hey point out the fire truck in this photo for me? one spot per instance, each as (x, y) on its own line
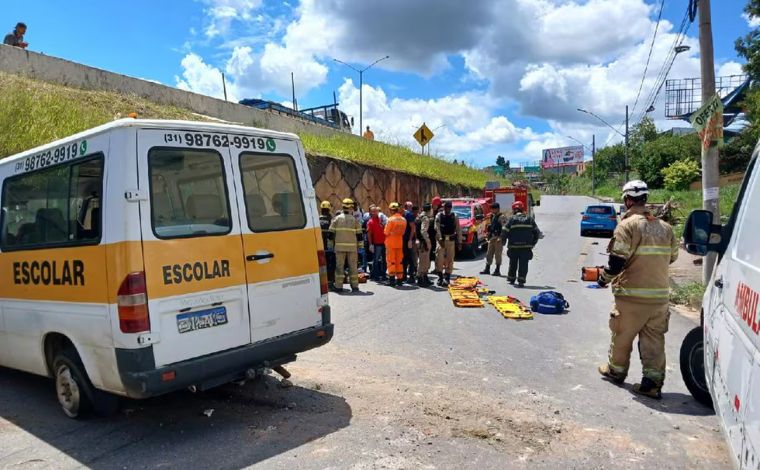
(507, 195)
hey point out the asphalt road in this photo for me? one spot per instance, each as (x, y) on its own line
(409, 381)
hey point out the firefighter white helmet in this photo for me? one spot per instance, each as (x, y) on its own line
(635, 188)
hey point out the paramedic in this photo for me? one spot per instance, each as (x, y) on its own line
(449, 236)
(348, 237)
(394, 244)
(495, 246)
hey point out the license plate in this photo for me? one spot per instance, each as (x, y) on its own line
(599, 226)
(202, 319)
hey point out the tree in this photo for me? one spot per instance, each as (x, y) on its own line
(662, 152)
(500, 161)
(749, 45)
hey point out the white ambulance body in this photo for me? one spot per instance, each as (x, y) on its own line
(720, 360)
(142, 257)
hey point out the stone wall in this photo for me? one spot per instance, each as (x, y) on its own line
(52, 69)
(336, 179)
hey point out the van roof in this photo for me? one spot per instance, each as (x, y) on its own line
(152, 124)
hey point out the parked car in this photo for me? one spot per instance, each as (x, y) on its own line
(472, 218)
(599, 219)
(719, 358)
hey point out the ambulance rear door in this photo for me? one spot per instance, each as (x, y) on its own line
(192, 244)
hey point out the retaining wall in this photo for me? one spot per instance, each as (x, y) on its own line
(52, 69)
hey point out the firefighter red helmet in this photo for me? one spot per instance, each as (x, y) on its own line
(436, 201)
(518, 206)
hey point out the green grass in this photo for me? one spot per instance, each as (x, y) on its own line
(33, 113)
(394, 157)
(689, 294)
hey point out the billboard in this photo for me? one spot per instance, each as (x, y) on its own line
(564, 156)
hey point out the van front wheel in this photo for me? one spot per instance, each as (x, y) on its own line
(75, 392)
(693, 366)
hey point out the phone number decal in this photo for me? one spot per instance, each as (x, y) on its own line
(51, 157)
(195, 139)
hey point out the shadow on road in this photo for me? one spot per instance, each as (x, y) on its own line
(248, 424)
(674, 403)
(529, 287)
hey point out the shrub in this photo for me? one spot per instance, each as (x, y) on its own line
(680, 174)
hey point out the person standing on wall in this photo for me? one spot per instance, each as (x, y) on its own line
(394, 244)
(16, 37)
(495, 247)
(523, 234)
(410, 265)
(328, 240)
(449, 235)
(422, 246)
(348, 238)
(368, 134)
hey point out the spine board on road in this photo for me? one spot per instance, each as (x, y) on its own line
(464, 292)
(510, 307)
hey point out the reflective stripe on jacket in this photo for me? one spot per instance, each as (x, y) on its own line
(521, 231)
(346, 229)
(394, 231)
(649, 247)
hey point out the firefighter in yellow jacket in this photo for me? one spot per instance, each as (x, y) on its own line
(640, 252)
(347, 233)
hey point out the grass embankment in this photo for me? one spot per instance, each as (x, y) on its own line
(394, 157)
(689, 294)
(33, 113)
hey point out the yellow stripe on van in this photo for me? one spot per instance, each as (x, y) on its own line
(76, 274)
(295, 254)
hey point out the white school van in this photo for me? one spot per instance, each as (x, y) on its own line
(720, 359)
(142, 257)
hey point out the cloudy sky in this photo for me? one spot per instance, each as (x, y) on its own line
(491, 77)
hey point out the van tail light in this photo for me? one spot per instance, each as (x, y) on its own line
(132, 300)
(322, 272)
(585, 217)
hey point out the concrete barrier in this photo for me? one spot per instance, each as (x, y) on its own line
(52, 69)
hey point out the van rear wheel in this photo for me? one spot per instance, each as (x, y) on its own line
(693, 366)
(76, 394)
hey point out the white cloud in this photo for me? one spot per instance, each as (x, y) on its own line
(199, 77)
(730, 68)
(222, 13)
(752, 21)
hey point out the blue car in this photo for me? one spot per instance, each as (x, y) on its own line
(599, 220)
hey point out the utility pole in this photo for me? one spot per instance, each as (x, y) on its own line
(224, 87)
(293, 91)
(710, 156)
(593, 170)
(626, 144)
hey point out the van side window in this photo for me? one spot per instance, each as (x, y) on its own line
(57, 206)
(746, 250)
(188, 193)
(272, 194)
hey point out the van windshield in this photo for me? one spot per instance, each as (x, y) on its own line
(188, 193)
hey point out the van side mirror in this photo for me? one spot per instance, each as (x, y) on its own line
(352, 121)
(537, 203)
(700, 235)
(479, 217)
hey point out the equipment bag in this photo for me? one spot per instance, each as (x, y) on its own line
(549, 302)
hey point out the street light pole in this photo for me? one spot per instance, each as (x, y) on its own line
(361, 85)
(626, 143)
(593, 164)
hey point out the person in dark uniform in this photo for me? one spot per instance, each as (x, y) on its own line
(434, 209)
(520, 235)
(325, 218)
(449, 235)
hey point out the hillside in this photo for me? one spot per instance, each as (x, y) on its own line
(34, 112)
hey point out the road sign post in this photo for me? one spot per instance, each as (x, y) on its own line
(423, 136)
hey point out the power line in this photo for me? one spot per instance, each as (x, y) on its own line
(649, 57)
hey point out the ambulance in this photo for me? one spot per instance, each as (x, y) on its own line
(143, 257)
(720, 359)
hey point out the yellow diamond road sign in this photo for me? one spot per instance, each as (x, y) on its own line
(424, 135)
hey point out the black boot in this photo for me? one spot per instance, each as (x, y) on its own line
(648, 388)
(392, 282)
(487, 270)
(447, 279)
(440, 281)
(497, 271)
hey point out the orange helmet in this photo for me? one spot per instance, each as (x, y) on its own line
(518, 206)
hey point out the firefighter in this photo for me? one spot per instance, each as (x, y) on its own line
(347, 233)
(520, 234)
(449, 236)
(495, 246)
(328, 240)
(394, 245)
(640, 252)
(422, 246)
(434, 209)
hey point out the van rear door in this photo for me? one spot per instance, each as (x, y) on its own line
(280, 234)
(192, 245)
